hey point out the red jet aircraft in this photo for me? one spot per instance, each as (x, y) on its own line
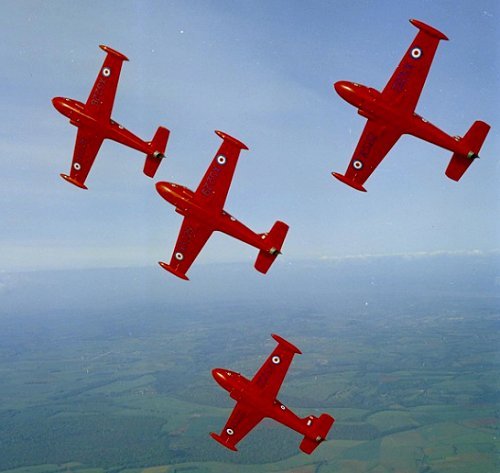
(256, 399)
(390, 114)
(94, 123)
(203, 214)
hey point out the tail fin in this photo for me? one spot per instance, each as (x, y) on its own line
(158, 146)
(275, 237)
(474, 139)
(319, 430)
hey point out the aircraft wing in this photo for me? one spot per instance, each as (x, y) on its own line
(374, 144)
(214, 186)
(241, 421)
(101, 99)
(407, 82)
(271, 374)
(192, 238)
(86, 148)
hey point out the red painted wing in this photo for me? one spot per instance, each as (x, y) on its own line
(214, 186)
(192, 238)
(374, 144)
(271, 374)
(241, 421)
(86, 148)
(407, 82)
(101, 99)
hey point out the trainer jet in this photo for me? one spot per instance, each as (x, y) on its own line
(94, 123)
(256, 399)
(203, 214)
(390, 114)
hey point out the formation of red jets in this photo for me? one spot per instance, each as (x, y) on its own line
(389, 113)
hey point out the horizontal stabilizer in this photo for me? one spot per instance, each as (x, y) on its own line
(347, 181)
(308, 445)
(169, 268)
(474, 139)
(221, 441)
(73, 181)
(319, 430)
(275, 238)
(158, 146)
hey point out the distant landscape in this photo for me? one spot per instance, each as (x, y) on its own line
(109, 370)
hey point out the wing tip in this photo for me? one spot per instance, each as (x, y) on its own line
(219, 439)
(233, 140)
(73, 181)
(169, 268)
(429, 29)
(286, 343)
(349, 182)
(114, 52)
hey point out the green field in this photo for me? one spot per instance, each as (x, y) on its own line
(414, 389)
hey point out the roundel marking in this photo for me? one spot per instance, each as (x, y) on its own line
(276, 360)
(221, 159)
(179, 256)
(416, 53)
(77, 166)
(282, 407)
(106, 71)
(229, 431)
(357, 164)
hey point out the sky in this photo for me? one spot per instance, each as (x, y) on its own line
(263, 72)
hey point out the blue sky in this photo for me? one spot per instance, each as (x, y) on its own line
(263, 72)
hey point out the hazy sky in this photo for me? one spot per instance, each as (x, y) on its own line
(263, 72)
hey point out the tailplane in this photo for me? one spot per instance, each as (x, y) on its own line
(474, 139)
(158, 146)
(319, 430)
(275, 237)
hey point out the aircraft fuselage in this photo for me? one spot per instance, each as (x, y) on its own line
(106, 128)
(186, 204)
(241, 390)
(371, 105)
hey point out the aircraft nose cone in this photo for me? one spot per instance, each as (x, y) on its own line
(349, 91)
(342, 87)
(220, 375)
(163, 189)
(58, 103)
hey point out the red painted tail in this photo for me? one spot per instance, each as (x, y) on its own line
(319, 430)
(275, 238)
(474, 138)
(158, 146)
